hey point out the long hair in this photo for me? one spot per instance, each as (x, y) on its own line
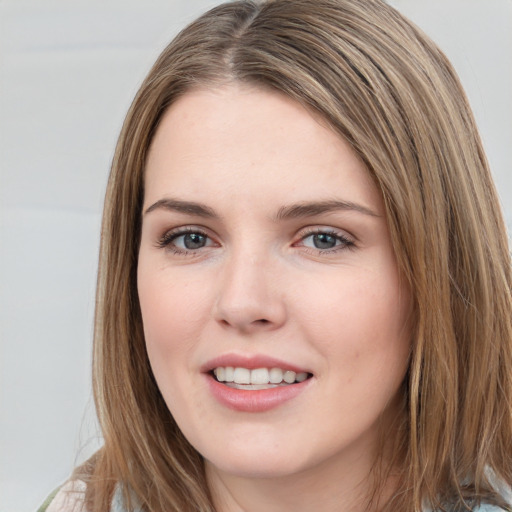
(380, 83)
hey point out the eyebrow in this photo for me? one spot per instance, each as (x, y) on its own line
(188, 207)
(310, 209)
(293, 211)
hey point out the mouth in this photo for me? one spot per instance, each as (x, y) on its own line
(257, 378)
(255, 383)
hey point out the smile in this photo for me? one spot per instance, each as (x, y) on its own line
(255, 383)
(258, 378)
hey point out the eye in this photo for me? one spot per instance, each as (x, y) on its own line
(321, 241)
(325, 240)
(184, 241)
(190, 241)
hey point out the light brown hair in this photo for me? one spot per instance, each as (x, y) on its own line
(381, 84)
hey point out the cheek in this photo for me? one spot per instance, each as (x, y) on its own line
(352, 303)
(360, 323)
(166, 329)
(171, 308)
(171, 321)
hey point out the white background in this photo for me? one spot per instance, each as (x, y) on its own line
(68, 71)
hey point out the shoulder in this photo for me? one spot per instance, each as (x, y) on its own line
(71, 498)
(68, 498)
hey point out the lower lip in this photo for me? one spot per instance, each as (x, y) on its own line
(260, 400)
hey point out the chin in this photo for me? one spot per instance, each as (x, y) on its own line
(257, 468)
(252, 460)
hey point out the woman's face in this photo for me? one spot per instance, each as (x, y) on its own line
(266, 259)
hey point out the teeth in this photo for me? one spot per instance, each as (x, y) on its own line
(276, 375)
(242, 376)
(289, 377)
(301, 377)
(230, 374)
(220, 373)
(258, 376)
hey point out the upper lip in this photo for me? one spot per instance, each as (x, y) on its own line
(250, 362)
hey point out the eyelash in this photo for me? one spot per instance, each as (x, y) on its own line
(168, 239)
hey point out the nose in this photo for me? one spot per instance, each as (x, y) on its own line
(250, 295)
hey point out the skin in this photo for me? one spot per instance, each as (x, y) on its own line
(257, 283)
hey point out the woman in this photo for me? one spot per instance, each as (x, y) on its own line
(304, 288)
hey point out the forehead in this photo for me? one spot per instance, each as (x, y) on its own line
(250, 141)
(242, 114)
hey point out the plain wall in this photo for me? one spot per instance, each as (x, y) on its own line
(68, 72)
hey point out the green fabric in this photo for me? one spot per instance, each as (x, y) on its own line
(48, 500)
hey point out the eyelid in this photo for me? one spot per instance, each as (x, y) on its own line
(321, 228)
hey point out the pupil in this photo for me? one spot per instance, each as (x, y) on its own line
(194, 241)
(324, 241)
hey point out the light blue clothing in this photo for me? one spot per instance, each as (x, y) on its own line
(70, 498)
(118, 505)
